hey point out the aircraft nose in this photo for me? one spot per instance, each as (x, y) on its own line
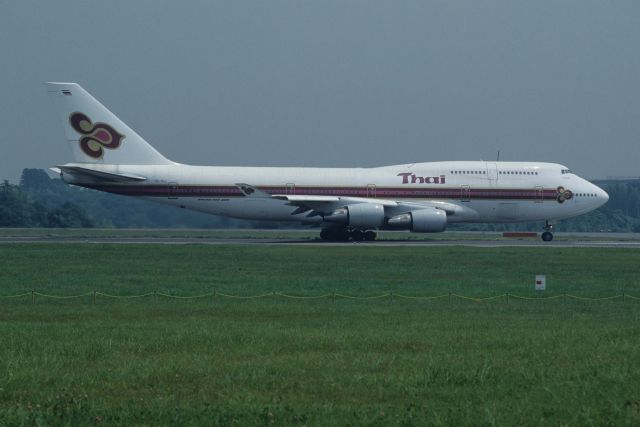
(603, 197)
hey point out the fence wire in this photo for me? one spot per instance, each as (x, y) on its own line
(333, 296)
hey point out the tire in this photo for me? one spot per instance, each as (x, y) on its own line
(342, 235)
(357, 235)
(334, 235)
(370, 235)
(547, 236)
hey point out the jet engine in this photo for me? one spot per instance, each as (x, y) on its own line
(429, 220)
(361, 215)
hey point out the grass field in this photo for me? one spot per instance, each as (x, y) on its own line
(308, 234)
(275, 361)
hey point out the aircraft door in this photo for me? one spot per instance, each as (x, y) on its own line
(172, 190)
(290, 188)
(371, 190)
(492, 171)
(465, 193)
(539, 194)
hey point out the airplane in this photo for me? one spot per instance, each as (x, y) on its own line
(346, 203)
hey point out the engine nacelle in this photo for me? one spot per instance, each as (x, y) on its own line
(429, 220)
(361, 215)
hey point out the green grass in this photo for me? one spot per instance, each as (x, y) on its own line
(168, 233)
(309, 234)
(275, 361)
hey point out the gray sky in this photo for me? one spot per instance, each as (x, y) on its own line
(333, 83)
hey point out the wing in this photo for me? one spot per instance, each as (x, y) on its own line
(335, 208)
(326, 205)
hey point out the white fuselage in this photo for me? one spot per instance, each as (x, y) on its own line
(482, 191)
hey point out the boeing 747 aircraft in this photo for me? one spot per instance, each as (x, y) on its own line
(347, 203)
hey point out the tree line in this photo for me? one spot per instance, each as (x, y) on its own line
(40, 201)
(17, 209)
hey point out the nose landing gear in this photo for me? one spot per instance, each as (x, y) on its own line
(547, 236)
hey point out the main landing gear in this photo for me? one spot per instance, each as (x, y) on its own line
(348, 233)
(547, 236)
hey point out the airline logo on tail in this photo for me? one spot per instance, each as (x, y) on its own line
(95, 136)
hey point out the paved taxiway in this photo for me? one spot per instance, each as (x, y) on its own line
(613, 243)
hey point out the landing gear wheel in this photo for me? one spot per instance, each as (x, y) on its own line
(345, 234)
(357, 235)
(334, 234)
(547, 236)
(342, 235)
(370, 235)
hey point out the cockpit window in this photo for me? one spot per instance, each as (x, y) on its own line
(564, 171)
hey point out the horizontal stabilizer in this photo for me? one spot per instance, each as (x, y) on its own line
(100, 176)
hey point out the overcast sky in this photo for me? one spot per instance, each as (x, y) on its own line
(332, 83)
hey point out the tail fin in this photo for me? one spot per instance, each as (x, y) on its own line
(95, 133)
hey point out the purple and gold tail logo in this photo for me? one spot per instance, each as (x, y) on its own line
(96, 136)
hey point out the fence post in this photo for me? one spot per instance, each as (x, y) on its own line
(391, 293)
(33, 297)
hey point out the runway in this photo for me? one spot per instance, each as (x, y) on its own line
(483, 243)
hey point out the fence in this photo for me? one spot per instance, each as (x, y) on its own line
(333, 296)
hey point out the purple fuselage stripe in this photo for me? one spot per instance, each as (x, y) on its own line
(379, 192)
